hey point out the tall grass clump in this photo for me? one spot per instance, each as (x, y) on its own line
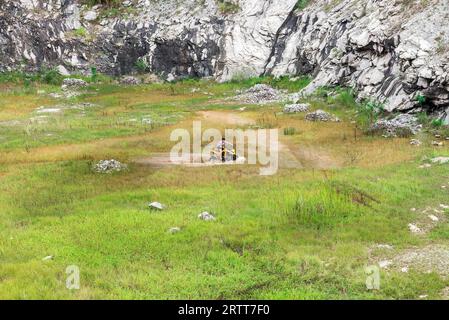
(283, 83)
(321, 208)
(108, 3)
(301, 4)
(227, 7)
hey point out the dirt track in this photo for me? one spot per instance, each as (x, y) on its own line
(299, 158)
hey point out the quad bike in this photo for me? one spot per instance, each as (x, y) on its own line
(224, 152)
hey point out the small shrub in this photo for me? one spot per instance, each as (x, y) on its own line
(290, 131)
(369, 112)
(421, 99)
(227, 7)
(51, 76)
(141, 65)
(301, 4)
(80, 32)
(423, 118)
(346, 98)
(93, 74)
(437, 123)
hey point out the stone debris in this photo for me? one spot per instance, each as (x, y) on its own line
(413, 228)
(108, 166)
(174, 230)
(384, 264)
(129, 81)
(437, 143)
(385, 246)
(62, 71)
(90, 15)
(445, 293)
(147, 121)
(433, 218)
(432, 258)
(440, 160)
(425, 166)
(297, 107)
(206, 216)
(415, 142)
(61, 107)
(320, 115)
(443, 206)
(48, 110)
(260, 94)
(402, 125)
(156, 206)
(73, 83)
(47, 258)
(404, 269)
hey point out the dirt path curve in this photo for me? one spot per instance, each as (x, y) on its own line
(287, 158)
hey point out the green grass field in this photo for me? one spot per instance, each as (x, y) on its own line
(304, 233)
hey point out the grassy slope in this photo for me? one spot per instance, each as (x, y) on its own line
(268, 240)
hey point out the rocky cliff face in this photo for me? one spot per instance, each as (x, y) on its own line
(388, 50)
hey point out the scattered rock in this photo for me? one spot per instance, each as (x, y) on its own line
(423, 296)
(174, 230)
(440, 160)
(403, 125)
(404, 269)
(320, 115)
(445, 293)
(385, 246)
(156, 206)
(384, 264)
(443, 206)
(48, 110)
(206, 216)
(437, 143)
(433, 218)
(432, 258)
(108, 166)
(413, 228)
(47, 258)
(147, 121)
(415, 142)
(297, 107)
(425, 165)
(129, 81)
(90, 15)
(62, 70)
(170, 77)
(150, 78)
(260, 94)
(73, 83)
